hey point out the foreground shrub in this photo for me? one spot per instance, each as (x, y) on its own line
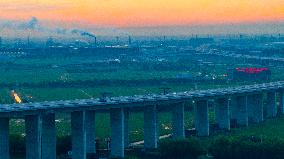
(17, 144)
(64, 144)
(247, 148)
(181, 149)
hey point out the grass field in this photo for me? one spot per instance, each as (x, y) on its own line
(269, 128)
(54, 69)
(38, 71)
(45, 71)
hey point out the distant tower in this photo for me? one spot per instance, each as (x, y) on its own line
(96, 41)
(18, 43)
(49, 42)
(129, 40)
(28, 43)
(117, 40)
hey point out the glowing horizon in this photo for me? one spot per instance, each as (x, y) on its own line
(128, 13)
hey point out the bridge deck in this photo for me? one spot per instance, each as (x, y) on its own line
(135, 101)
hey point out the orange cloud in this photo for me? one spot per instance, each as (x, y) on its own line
(146, 12)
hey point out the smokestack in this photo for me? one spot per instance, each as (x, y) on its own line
(129, 40)
(28, 44)
(117, 40)
(96, 45)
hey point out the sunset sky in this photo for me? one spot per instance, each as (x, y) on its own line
(136, 13)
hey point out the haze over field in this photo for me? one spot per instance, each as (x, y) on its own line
(130, 17)
(142, 79)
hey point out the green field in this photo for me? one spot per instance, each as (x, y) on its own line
(33, 78)
(269, 128)
(38, 80)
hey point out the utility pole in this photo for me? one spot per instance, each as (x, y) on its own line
(105, 96)
(165, 90)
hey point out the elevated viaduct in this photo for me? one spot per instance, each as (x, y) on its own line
(243, 103)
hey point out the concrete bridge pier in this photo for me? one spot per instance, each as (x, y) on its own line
(239, 109)
(117, 132)
(90, 116)
(281, 102)
(255, 107)
(178, 120)
(242, 115)
(78, 135)
(222, 113)
(126, 128)
(150, 127)
(233, 108)
(33, 136)
(271, 108)
(4, 138)
(48, 136)
(201, 118)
